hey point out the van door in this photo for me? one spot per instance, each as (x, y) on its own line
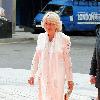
(67, 18)
(86, 19)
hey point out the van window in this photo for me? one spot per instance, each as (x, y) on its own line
(68, 11)
(51, 7)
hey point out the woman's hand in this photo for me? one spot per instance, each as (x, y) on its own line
(65, 97)
(70, 85)
(31, 81)
(92, 79)
(70, 88)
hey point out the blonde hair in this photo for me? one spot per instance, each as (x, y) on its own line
(53, 18)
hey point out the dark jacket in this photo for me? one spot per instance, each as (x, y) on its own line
(95, 62)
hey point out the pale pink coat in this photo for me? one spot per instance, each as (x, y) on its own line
(52, 62)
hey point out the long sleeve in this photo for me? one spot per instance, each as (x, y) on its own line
(93, 64)
(35, 62)
(67, 59)
(37, 54)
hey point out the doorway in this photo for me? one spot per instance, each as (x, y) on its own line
(26, 10)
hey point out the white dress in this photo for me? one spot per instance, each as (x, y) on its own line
(52, 62)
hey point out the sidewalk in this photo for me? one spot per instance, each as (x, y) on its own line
(14, 86)
(19, 37)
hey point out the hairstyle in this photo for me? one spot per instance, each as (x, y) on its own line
(53, 18)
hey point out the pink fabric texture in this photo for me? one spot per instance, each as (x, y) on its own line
(52, 63)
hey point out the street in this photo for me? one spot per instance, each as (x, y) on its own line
(18, 55)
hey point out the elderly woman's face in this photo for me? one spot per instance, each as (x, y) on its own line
(50, 26)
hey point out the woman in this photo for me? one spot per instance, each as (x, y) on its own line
(52, 61)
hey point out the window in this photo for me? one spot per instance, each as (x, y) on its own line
(68, 11)
(52, 7)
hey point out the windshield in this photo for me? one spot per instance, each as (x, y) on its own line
(51, 7)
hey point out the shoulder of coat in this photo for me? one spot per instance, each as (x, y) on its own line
(65, 37)
(41, 35)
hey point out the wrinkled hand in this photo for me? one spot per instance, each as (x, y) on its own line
(92, 79)
(31, 81)
(65, 97)
(70, 85)
(70, 88)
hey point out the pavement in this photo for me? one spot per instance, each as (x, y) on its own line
(14, 86)
(19, 36)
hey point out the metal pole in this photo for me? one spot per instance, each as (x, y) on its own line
(13, 16)
(1, 3)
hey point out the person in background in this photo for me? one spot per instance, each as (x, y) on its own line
(95, 64)
(2, 12)
(52, 61)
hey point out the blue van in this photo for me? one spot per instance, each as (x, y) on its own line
(76, 15)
